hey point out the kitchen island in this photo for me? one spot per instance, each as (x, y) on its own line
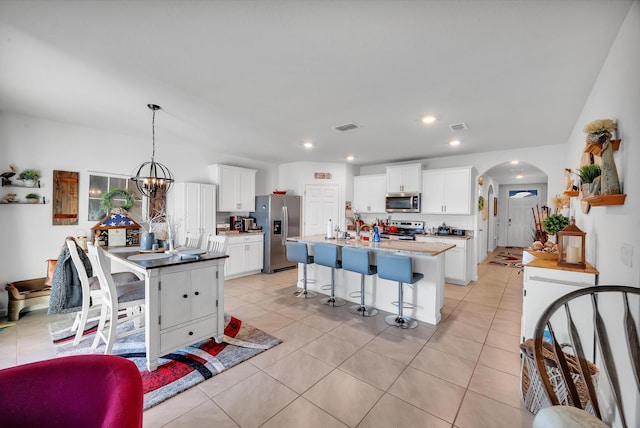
(184, 298)
(426, 296)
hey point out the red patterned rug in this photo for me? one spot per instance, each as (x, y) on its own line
(509, 257)
(179, 370)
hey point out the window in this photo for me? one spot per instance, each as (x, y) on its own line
(99, 184)
(523, 193)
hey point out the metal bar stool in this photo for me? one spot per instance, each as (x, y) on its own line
(398, 268)
(329, 255)
(356, 260)
(298, 252)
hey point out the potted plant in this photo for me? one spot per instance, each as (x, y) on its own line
(32, 198)
(588, 173)
(30, 177)
(555, 223)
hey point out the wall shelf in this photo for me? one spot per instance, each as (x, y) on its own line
(571, 193)
(36, 186)
(600, 200)
(596, 148)
(23, 203)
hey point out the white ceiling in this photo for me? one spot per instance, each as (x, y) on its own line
(257, 78)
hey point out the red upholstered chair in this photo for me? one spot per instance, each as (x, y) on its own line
(75, 391)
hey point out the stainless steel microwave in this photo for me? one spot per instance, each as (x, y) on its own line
(402, 202)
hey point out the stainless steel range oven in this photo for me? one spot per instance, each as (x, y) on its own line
(404, 230)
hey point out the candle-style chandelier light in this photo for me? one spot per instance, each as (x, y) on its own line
(153, 177)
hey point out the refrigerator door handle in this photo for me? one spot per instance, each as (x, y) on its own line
(285, 225)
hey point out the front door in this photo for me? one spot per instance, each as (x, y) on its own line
(321, 203)
(520, 224)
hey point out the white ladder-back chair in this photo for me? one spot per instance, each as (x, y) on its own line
(119, 304)
(192, 240)
(217, 244)
(87, 294)
(204, 241)
(91, 292)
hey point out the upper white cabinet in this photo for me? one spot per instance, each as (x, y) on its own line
(446, 191)
(404, 178)
(236, 187)
(195, 204)
(368, 193)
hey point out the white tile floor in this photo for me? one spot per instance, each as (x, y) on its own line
(334, 369)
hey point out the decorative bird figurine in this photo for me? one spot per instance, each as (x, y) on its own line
(6, 176)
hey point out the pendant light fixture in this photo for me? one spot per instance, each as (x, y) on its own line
(153, 177)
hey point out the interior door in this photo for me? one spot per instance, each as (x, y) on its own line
(520, 225)
(321, 203)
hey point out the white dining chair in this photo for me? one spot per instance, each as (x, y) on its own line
(91, 293)
(204, 241)
(217, 244)
(192, 240)
(119, 304)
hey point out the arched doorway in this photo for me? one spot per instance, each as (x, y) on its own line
(505, 185)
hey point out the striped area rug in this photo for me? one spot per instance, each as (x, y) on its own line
(179, 370)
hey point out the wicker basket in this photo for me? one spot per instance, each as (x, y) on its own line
(532, 391)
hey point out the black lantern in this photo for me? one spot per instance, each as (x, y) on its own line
(153, 178)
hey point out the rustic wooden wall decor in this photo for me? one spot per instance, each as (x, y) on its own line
(65, 198)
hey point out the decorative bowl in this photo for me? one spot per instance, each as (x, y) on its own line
(543, 255)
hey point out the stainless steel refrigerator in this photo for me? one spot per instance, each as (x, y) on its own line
(279, 217)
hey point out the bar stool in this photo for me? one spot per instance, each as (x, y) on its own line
(329, 255)
(357, 260)
(298, 252)
(398, 268)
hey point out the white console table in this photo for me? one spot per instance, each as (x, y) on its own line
(184, 299)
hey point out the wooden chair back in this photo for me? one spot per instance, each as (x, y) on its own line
(597, 325)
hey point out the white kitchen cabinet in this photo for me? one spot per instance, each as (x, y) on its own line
(245, 253)
(195, 204)
(190, 301)
(544, 282)
(404, 178)
(457, 261)
(446, 191)
(368, 193)
(236, 187)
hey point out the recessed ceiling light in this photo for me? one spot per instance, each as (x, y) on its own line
(308, 144)
(349, 157)
(454, 142)
(428, 119)
(515, 162)
(519, 176)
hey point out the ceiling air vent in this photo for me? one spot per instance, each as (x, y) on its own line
(458, 126)
(346, 127)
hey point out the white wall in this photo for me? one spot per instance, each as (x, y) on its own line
(611, 229)
(295, 176)
(27, 234)
(616, 95)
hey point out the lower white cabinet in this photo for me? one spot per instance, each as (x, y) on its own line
(189, 304)
(457, 261)
(245, 255)
(543, 285)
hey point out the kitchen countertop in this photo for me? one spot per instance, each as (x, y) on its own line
(553, 264)
(253, 232)
(434, 235)
(409, 247)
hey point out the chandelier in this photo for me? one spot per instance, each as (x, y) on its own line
(153, 177)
